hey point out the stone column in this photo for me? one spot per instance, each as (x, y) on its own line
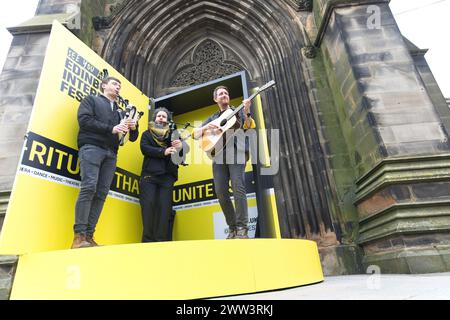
(395, 136)
(7, 270)
(18, 84)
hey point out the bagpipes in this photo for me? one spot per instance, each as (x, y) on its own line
(176, 134)
(130, 112)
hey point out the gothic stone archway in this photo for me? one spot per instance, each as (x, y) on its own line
(162, 46)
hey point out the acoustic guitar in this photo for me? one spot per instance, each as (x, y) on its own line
(212, 140)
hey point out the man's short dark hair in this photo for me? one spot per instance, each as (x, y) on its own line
(217, 89)
(107, 80)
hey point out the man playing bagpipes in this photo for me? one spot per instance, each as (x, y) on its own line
(98, 142)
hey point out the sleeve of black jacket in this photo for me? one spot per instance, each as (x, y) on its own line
(87, 120)
(134, 134)
(148, 147)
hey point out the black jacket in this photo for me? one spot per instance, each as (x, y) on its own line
(97, 120)
(155, 162)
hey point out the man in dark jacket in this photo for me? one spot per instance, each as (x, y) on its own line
(100, 124)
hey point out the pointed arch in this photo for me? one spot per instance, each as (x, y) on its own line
(150, 40)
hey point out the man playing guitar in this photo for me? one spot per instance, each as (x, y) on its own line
(226, 168)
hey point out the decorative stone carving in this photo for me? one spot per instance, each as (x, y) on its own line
(309, 52)
(301, 5)
(103, 22)
(231, 56)
(208, 63)
(115, 8)
(186, 60)
(100, 23)
(305, 5)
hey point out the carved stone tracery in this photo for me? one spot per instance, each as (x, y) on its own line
(208, 62)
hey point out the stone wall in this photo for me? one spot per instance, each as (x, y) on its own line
(7, 263)
(436, 96)
(86, 10)
(90, 9)
(344, 258)
(58, 6)
(393, 134)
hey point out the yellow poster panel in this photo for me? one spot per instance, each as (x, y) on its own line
(40, 214)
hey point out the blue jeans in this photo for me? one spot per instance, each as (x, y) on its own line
(97, 168)
(223, 173)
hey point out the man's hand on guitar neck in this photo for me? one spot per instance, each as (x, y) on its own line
(247, 119)
(246, 104)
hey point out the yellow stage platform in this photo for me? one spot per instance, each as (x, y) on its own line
(168, 270)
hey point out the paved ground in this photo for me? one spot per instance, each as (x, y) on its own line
(365, 287)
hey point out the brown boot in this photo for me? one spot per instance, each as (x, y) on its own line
(79, 241)
(90, 239)
(231, 234)
(241, 233)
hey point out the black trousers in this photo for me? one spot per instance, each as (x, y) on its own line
(156, 207)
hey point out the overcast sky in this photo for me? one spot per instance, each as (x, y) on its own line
(422, 21)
